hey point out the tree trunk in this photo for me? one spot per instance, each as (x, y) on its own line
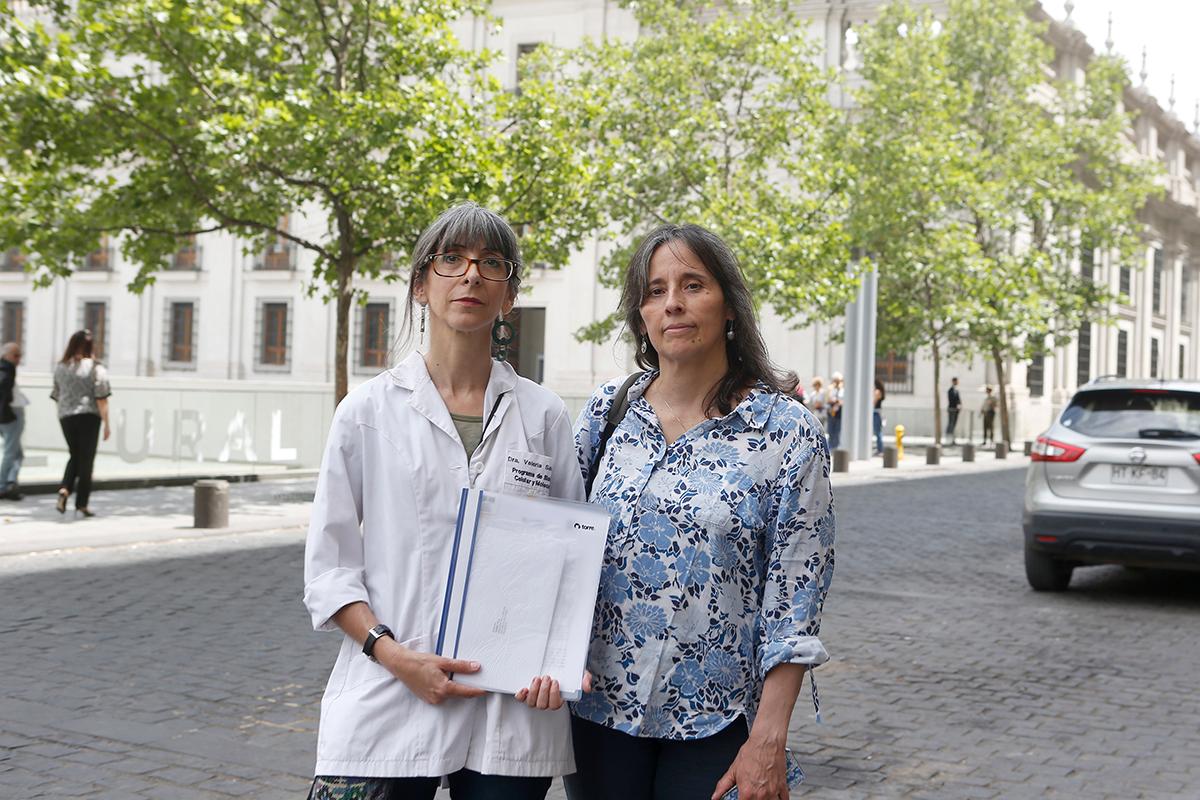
(937, 393)
(345, 295)
(1002, 388)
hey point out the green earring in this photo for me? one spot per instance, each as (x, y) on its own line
(502, 335)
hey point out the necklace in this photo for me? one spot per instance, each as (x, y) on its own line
(682, 428)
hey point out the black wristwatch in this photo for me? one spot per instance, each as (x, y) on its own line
(373, 636)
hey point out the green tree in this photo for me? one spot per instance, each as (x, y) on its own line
(716, 114)
(150, 120)
(1052, 168)
(910, 172)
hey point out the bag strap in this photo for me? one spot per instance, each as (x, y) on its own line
(616, 413)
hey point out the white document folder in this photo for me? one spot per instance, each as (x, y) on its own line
(521, 589)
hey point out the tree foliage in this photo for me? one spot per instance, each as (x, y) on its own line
(155, 119)
(716, 114)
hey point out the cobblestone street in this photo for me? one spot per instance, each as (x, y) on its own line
(188, 669)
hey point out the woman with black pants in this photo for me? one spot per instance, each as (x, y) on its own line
(81, 390)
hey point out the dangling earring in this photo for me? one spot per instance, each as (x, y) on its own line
(729, 330)
(502, 334)
(423, 307)
(645, 339)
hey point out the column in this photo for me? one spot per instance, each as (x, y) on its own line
(1172, 286)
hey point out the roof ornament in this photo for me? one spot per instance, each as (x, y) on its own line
(1070, 7)
(1144, 74)
(1108, 43)
(1171, 99)
(1196, 121)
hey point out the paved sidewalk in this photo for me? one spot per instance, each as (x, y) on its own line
(157, 514)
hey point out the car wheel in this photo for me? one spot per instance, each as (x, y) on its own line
(1046, 574)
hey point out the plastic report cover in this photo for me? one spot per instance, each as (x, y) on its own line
(521, 589)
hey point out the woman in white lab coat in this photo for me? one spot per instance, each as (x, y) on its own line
(401, 448)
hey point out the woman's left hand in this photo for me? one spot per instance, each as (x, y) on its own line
(759, 772)
(544, 693)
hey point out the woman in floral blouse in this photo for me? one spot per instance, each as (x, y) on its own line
(720, 551)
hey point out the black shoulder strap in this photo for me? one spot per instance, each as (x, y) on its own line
(616, 413)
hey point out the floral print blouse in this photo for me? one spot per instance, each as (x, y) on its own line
(719, 558)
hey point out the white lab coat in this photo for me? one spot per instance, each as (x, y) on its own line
(394, 467)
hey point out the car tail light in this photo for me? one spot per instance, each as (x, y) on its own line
(1197, 457)
(1046, 449)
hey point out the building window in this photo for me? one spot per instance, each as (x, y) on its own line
(1185, 297)
(187, 257)
(527, 353)
(12, 260)
(1083, 356)
(274, 334)
(281, 253)
(13, 321)
(1153, 357)
(522, 70)
(181, 334)
(1122, 354)
(95, 319)
(100, 259)
(374, 335)
(895, 371)
(1126, 286)
(1087, 264)
(1156, 288)
(1035, 376)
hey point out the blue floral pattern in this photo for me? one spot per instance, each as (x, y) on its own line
(718, 562)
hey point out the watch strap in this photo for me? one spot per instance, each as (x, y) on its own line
(373, 636)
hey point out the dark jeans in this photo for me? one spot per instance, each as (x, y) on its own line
(835, 431)
(612, 765)
(953, 423)
(877, 429)
(464, 785)
(82, 432)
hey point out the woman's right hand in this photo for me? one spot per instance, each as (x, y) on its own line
(427, 675)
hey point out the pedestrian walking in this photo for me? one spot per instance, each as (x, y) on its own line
(81, 390)
(833, 408)
(877, 416)
(953, 406)
(12, 421)
(990, 403)
(720, 549)
(401, 449)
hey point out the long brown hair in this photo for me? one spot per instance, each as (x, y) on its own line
(746, 351)
(79, 346)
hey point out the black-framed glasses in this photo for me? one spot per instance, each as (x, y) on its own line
(454, 265)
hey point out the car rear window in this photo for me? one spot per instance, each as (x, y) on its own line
(1135, 414)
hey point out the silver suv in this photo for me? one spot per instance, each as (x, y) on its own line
(1116, 480)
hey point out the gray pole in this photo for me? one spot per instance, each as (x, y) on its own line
(860, 369)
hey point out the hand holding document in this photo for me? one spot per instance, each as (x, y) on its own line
(521, 589)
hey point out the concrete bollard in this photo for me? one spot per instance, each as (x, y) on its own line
(841, 460)
(968, 452)
(1028, 447)
(933, 454)
(1001, 449)
(890, 458)
(211, 508)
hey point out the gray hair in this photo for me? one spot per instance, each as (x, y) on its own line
(746, 351)
(465, 225)
(7, 349)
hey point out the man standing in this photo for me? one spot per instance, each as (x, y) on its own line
(12, 421)
(833, 409)
(989, 417)
(953, 406)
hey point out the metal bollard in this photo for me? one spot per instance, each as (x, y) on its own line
(899, 443)
(1028, 447)
(889, 458)
(968, 452)
(1001, 449)
(841, 460)
(933, 454)
(211, 508)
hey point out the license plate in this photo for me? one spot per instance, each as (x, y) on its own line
(1132, 475)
